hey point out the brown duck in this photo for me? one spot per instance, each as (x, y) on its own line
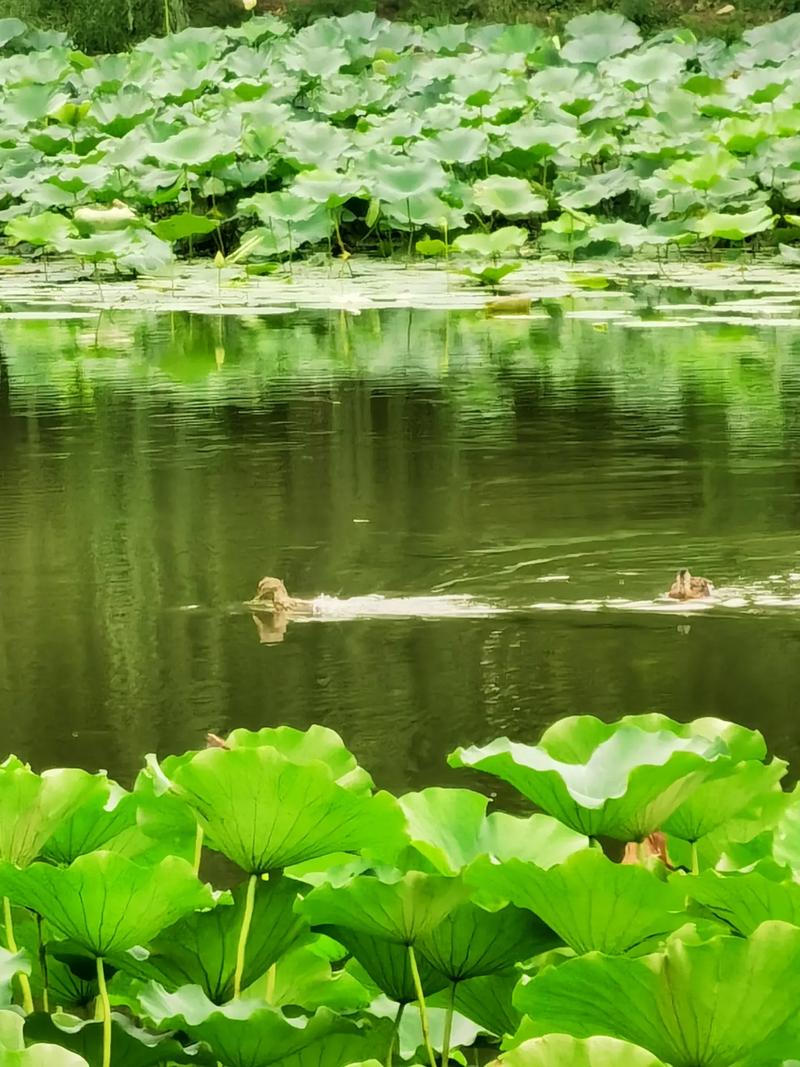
(271, 595)
(685, 587)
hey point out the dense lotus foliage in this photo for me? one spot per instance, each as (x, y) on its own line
(357, 134)
(261, 903)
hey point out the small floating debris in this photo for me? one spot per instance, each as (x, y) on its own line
(508, 305)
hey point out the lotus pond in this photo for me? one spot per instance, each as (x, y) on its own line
(253, 144)
(615, 925)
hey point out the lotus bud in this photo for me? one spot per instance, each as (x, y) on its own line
(248, 5)
(219, 261)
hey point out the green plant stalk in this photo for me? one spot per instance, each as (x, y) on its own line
(167, 26)
(269, 989)
(423, 1011)
(24, 982)
(395, 1031)
(198, 848)
(695, 859)
(247, 918)
(448, 1025)
(106, 1005)
(43, 964)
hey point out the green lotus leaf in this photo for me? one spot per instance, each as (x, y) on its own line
(687, 1005)
(101, 817)
(401, 911)
(119, 114)
(265, 812)
(179, 227)
(308, 746)
(744, 901)
(464, 144)
(625, 234)
(451, 829)
(404, 180)
(590, 902)
(511, 197)
(487, 1001)
(430, 247)
(471, 941)
(427, 209)
(304, 977)
(285, 206)
(43, 230)
(200, 949)
(132, 1046)
(507, 240)
(597, 36)
(195, 147)
(34, 806)
(734, 227)
(388, 965)
(491, 276)
(713, 803)
(9, 29)
(587, 191)
(248, 1033)
(560, 1050)
(104, 901)
(621, 780)
(326, 187)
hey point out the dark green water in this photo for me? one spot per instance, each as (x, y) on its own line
(153, 468)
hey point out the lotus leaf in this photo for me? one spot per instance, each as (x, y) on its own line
(622, 781)
(201, 948)
(388, 965)
(744, 901)
(557, 1050)
(265, 812)
(34, 807)
(133, 1046)
(511, 197)
(687, 1005)
(180, 227)
(597, 36)
(247, 1033)
(734, 227)
(104, 901)
(308, 746)
(487, 1001)
(103, 815)
(501, 242)
(450, 828)
(48, 229)
(590, 902)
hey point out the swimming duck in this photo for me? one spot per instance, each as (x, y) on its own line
(685, 587)
(272, 595)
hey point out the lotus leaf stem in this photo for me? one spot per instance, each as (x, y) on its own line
(43, 964)
(25, 985)
(395, 1031)
(103, 993)
(249, 901)
(448, 1025)
(423, 1011)
(198, 848)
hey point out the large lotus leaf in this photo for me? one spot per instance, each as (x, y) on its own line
(11, 964)
(388, 965)
(165, 819)
(102, 817)
(627, 788)
(743, 900)
(9, 29)
(104, 901)
(723, 1002)
(33, 806)
(286, 207)
(304, 978)
(471, 941)
(464, 144)
(450, 828)
(184, 225)
(308, 746)
(326, 187)
(487, 1001)
(247, 1033)
(195, 147)
(265, 812)
(561, 1050)
(597, 36)
(47, 228)
(590, 902)
(401, 911)
(714, 803)
(407, 178)
(734, 227)
(506, 241)
(511, 197)
(201, 948)
(131, 1046)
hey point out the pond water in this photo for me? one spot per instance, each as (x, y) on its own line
(536, 480)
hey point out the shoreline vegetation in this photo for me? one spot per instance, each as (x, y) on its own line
(257, 145)
(356, 927)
